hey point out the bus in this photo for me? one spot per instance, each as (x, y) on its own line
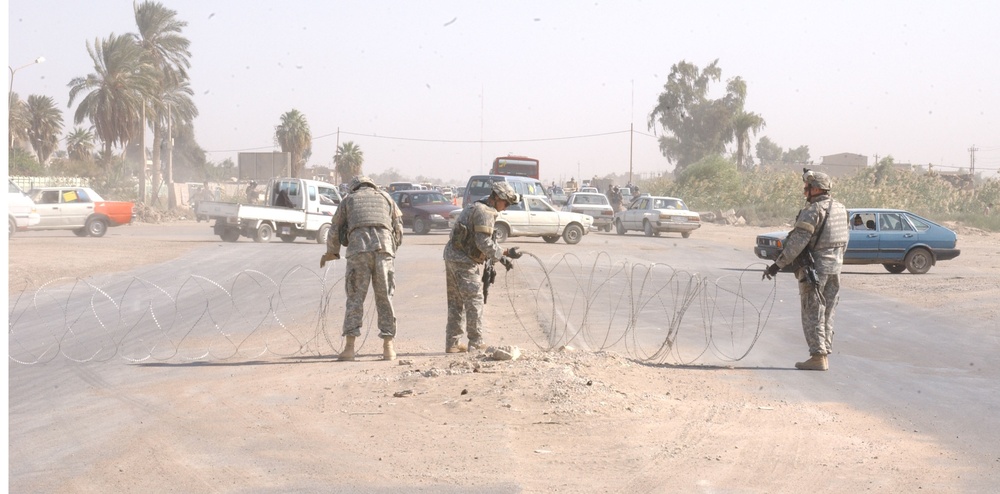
(518, 166)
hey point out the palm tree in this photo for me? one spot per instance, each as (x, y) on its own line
(175, 107)
(743, 124)
(80, 144)
(294, 137)
(45, 124)
(115, 93)
(166, 50)
(17, 120)
(348, 160)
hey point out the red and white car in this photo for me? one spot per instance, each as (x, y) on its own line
(79, 209)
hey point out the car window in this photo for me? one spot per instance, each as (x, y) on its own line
(47, 197)
(75, 196)
(893, 222)
(536, 204)
(918, 223)
(643, 204)
(515, 207)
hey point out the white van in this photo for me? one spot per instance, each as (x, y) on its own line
(21, 212)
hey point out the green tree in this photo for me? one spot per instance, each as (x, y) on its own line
(17, 121)
(45, 124)
(294, 137)
(114, 94)
(348, 160)
(797, 155)
(743, 124)
(166, 50)
(80, 144)
(768, 152)
(696, 126)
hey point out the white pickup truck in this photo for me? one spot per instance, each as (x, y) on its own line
(293, 207)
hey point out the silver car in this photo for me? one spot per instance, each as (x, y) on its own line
(657, 214)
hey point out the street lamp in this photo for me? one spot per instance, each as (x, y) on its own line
(12, 71)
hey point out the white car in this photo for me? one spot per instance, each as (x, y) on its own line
(656, 214)
(21, 211)
(535, 217)
(595, 205)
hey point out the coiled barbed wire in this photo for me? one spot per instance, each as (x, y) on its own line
(651, 312)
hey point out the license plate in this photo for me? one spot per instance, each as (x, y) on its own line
(679, 219)
(763, 252)
(285, 230)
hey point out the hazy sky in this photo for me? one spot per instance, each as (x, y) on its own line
(441, 88)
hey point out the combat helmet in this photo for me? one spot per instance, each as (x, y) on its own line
(819, 180)
(361, 180)
(504, 192)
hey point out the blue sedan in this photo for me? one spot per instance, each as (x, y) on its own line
(896, 239)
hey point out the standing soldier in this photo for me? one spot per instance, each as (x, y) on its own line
(815, 247)
(472, 244)
(370, 224)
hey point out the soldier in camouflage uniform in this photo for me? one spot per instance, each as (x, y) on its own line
(822, 227)
(471, 245)
(370, 224)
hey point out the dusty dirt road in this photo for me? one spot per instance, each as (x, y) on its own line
(549, 422)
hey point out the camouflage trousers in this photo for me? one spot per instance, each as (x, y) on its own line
(818, 305)
(374, 268)
(465, 302)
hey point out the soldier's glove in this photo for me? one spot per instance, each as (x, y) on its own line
(507, 263)
(513, 253)
(329, 256)
(770, 272)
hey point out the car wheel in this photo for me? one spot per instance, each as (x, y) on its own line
(97, 227)
(895, 268)
(918, 261)
(230, 235)
(420, 226)
(686, 234)
(550, 238)
(647, 228)
(572, 234)
(620, 227)
(502, 232)
(322, 233)
(80, 232)
(287, 238)
(264, 233)
(11, 227)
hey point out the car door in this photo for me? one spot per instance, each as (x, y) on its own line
(542, 218)
(636, 212)
(895, 236)
(517, 218)
(49, 210)
(75, 207)
(863, 243)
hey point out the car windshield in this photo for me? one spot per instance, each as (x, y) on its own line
(668, 204)
(590, 199)
(425, 199)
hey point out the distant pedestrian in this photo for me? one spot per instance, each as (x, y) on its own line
(816, 246)
(370, 224)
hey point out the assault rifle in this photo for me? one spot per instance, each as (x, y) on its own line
(490, 273)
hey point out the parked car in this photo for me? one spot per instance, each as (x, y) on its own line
(896, 239)
(654, 215)
(595, 205)
(423, 210)
(535, 217)
(592, 190)
(557, 195)
(79, 209)
(21, 210)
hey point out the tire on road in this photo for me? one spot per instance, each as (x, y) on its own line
(572, 234)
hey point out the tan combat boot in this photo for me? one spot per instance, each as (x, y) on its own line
(348, 353)
(817, 361)
(456, 348)
(476, 345)
(388, 353)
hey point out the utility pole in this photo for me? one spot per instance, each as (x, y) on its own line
(631, 133)
(972, 159)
